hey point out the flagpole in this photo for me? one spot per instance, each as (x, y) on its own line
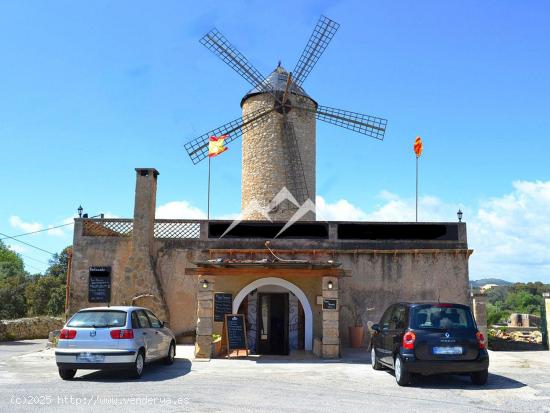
(208, 208)
(417, 189)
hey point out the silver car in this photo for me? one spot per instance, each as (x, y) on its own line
(101, 338)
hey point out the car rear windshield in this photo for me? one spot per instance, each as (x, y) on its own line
(98, 318)
(441, 316)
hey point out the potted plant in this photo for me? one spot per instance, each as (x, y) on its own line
(358, 309)
(216, 344)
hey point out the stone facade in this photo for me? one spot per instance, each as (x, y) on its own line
(387, 271)
(263, 164)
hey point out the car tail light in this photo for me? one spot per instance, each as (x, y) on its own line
(67, 334)
(408, 340)
(480, 340)
(122, 334)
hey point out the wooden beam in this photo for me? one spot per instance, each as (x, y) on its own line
(267, 272)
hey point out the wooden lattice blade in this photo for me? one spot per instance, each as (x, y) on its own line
(323, 33)
(365, 124)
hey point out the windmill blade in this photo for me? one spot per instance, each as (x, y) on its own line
(221, 47)
(197, 148)
(322, 34)
(294, 170)
(357, 122)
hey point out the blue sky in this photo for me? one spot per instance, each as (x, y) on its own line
(92, 90)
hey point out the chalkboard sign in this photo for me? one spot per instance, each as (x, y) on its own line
(235, 330)
(330, 303)
(99, 285)
(223, 304)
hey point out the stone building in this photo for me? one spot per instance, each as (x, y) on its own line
(296, 294)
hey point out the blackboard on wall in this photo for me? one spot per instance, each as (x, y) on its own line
(223, 304)
(235, 330)
(99, 285)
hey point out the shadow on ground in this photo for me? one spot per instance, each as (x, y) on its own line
(455, 381)
(153, 372)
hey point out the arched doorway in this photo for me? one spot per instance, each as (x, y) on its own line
(274, 281)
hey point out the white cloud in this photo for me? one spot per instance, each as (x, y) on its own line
(511, 234)
(179, 210)
(17, 248)
(18, 223)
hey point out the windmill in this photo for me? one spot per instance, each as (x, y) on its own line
(278, 127)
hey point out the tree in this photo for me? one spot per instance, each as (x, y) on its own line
(59, 263)
(11, 263)
(12, 297)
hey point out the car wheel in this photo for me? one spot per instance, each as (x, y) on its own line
(169, 359)
(480, 377)
(374, 360)
(137, 369)
(67, 374)
(402, 376)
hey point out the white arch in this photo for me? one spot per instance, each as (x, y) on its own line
(308, 314)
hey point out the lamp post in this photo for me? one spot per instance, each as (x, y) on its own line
(459, 215)
(80, 209)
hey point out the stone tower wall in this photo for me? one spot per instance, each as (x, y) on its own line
(263, 164)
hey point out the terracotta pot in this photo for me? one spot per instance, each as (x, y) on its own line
(356, 335)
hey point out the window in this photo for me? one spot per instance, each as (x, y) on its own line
(135, 321)
(143, 320)
(441, 316)
(98, 318)
(155, 322)
(385, 321)
(398, 318)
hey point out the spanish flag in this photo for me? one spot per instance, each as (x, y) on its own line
(418, 146)
(215, 146)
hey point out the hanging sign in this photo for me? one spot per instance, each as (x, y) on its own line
(223, 304)
(99, 285)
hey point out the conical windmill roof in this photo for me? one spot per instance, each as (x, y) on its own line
(277, 79)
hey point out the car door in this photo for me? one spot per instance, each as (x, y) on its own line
(147, 334)
(396, 328)
(161, 339)
(383, 351)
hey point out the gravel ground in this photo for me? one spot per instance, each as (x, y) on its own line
(517, 382)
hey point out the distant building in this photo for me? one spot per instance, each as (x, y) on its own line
(487, 287)
(523, 320)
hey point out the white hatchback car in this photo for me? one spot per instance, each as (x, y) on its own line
(101, 338)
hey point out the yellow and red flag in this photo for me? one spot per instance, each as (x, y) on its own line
(215, 146)
(418, 146)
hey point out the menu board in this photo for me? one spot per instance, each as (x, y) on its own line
(223, 304)
(99, 285)
(330, 303)
(236, 332)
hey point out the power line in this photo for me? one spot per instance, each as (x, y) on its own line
(31, 258)
(36, 232)
(26, 243)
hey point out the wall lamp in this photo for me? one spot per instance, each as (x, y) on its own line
(330, 285)
(80, 210)
(459, 215)
(205, 284)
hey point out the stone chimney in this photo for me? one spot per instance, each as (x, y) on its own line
(142, 283)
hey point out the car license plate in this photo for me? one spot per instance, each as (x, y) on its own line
(447, 350)
(90, 358)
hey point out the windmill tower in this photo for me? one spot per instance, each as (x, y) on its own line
(278, 130)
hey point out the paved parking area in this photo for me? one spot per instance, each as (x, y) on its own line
(28, 382)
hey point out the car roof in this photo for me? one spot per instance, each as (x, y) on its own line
(114, 307)
(415, 303)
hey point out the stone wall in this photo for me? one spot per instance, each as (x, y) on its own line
(29, 328)
(263, 164)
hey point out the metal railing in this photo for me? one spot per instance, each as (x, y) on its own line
(119, 227)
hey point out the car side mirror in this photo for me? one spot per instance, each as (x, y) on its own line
(375, 327)
(165, 324)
